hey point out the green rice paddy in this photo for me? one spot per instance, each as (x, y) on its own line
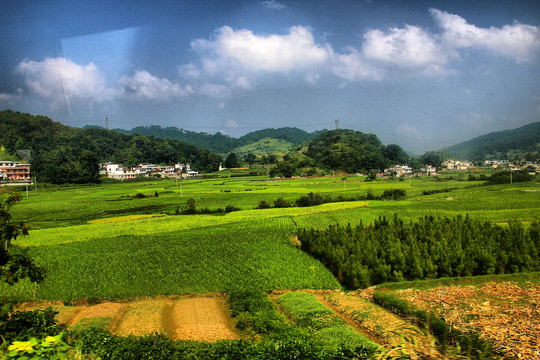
(104, 241)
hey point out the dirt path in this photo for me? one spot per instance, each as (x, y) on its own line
(201, 319)
(349, 321)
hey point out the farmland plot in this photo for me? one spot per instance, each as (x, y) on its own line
(186, 318)
(505, 313)
(209, 259)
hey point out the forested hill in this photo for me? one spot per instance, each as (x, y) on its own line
(221, 143)
(353, 151)
(64, 154)
(524, 141)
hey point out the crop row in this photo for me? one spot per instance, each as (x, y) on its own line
(210, 259)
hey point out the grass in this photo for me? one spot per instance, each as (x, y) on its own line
(102, 241)
(308, 313)
(208, 259)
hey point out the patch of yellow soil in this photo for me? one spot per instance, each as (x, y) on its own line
(143, 317)
(202, 319)
(111, 310)
(190, 317)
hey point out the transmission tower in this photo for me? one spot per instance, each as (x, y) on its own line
(337, 123)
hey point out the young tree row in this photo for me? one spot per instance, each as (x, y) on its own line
(394, 250)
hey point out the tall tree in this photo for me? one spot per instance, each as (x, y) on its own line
(231, 161)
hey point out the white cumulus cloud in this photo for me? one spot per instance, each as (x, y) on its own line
(518, 41)
(143, 85)
(59, 79)
(354, 66)
(410, 47)
(272, 53)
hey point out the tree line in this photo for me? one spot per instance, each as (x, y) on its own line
(62, 154)
(430, 247)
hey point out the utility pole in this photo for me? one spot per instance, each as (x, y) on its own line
(106, 122)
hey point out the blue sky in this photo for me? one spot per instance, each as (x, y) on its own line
(421, 74)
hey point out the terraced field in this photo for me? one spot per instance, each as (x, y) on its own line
(136, 267)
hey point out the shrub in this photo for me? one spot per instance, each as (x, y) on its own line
(310, 199)
(263, 205)
(22, 325)
(231, 208)
(393, 194)
(191, 207)
(282, 203)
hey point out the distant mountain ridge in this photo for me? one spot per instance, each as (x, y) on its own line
(523, 141)
(221, 143)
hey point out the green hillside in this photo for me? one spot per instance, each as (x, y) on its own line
(353, 151)
(264, 146)
(520, 142)
(221, 143)
(63, 154)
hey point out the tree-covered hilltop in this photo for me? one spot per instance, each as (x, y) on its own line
(291, 134)
(64, 154)
(219, 142)
(353, 151)
(523, 142)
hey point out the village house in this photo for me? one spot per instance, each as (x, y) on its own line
(398, 170)
(496, 163)
(10, 170)
(429, 170)
(457, 165)
(118, 171)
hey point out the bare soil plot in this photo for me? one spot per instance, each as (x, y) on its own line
(505, 313)
(180, 318)
(202, 319)
(142, 317)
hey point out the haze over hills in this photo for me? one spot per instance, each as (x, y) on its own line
(520, 142)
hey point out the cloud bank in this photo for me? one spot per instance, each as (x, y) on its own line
(235, 60)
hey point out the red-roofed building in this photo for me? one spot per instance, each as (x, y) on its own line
(14, 170)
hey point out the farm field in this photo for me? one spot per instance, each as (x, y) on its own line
(503, 309)
(203, 318)
(105, 244)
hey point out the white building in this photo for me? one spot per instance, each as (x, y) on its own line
(399, 170)
(119, 172)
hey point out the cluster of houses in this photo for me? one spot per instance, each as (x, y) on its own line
(120, 172)
(405, 170)
(457, 165)
(506, 165)
(11, 170)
